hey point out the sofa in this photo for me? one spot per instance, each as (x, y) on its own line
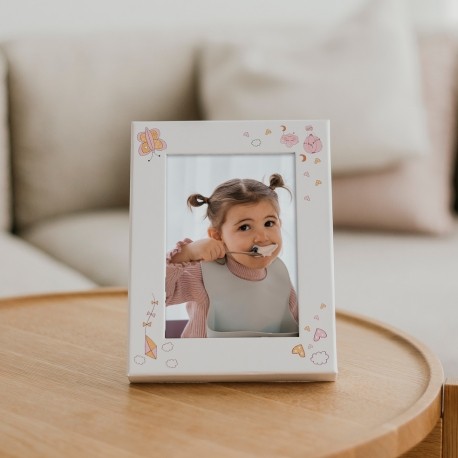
(67, 102)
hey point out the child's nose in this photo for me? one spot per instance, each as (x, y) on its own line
(260, 236)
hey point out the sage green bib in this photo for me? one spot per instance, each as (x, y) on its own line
(246, 308)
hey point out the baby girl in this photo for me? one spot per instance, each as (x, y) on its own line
(233, 282)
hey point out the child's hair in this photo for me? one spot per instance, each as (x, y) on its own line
(235, 192)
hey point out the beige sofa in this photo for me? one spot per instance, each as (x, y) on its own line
(66, 104)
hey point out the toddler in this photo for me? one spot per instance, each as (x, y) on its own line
(233, 282)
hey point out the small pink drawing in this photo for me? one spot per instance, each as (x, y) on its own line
(150, 142)
(306, 174)
(246, 134)
(289, 140)
(312, 144)
(308, 128)
(310, 346)
(319, 334)
(307, 198)
(316, 317)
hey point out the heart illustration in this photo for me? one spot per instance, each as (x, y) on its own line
(319, 334)
(307, 328)
(298, 350)
(322, 306)
(316, 317)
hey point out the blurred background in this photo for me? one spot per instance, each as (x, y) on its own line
(20, 17)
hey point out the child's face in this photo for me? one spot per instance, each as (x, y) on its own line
(247, 225)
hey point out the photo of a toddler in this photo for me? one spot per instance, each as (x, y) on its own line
(233, 281)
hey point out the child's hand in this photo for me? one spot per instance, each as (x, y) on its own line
(201, 250)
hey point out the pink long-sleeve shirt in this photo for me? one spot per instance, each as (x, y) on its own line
(184, 283)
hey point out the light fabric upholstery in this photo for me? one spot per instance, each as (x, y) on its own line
(362, 75)
(412, 196)
(407, 281)
(96, 244)
(5, 185)
(31, 271)
(72, 103)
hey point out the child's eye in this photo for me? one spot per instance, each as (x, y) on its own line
(269, 223)
(244, 227)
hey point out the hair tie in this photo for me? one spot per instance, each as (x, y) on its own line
(202, 199)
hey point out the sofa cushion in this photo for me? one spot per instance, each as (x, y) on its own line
(406, 281)
(72, 101)
(27, 270)
(414, 196)
(362, 74)
(96, 244)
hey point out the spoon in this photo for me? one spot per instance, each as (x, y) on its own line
(248, 253)
(257, 251)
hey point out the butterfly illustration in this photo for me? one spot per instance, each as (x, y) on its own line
(150, 142)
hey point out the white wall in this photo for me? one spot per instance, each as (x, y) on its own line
(20, 17)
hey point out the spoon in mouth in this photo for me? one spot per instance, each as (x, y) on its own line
(258, 251)
(248, 253)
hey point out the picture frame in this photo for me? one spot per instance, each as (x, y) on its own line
(304, 145)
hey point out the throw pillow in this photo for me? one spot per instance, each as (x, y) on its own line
(414, 196)
(362, 74)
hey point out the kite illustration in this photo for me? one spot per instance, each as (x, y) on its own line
(150, 347)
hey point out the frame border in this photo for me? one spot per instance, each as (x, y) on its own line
(309, 357)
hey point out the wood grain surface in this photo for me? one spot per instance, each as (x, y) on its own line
(64, 392)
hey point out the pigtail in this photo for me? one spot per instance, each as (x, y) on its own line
(197, 200)
(276, 181)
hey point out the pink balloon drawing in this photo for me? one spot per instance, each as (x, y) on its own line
(312, 144)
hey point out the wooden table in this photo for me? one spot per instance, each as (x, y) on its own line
(64, 392)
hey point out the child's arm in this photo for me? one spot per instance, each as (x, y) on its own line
(293, 304)
(183, 281)
(200, 250)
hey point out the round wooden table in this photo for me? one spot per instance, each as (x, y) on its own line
(64, 392)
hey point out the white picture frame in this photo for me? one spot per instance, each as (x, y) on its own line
(310, 356)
